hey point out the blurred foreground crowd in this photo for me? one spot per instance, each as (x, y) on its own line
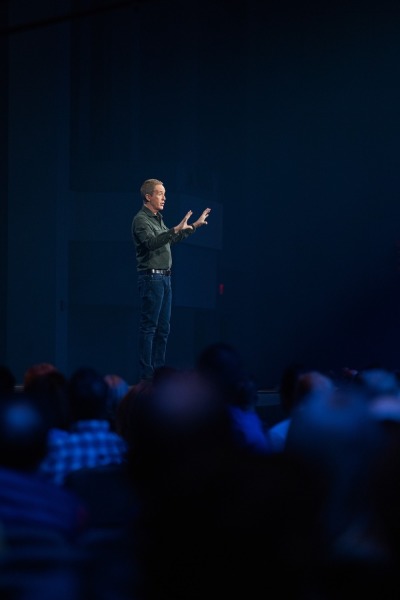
(178, 489)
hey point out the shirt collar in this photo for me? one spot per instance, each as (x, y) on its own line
(150, 212)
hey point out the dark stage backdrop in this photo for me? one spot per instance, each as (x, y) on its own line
(282, 118)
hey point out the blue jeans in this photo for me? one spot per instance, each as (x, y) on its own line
(155, 312)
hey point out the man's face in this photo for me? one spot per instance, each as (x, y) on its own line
(156, 200)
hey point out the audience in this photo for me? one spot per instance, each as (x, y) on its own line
(198, 495)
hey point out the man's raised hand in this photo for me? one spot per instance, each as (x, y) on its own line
(202, 219)
(184, 223)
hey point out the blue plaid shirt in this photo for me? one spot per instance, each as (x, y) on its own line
(88, 444)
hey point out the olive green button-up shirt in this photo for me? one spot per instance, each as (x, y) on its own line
(153, 240)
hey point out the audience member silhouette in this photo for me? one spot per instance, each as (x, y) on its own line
(207, 505)
(378, 382)
(385, 410)
(26, 499)
(40, 522)
(90, 441)
(132, 402)
(298, 384)
(117, 388)
(288, 401)
(36, 370)
(223, 366)
(345, 448)
(127, 408)
(49, 389)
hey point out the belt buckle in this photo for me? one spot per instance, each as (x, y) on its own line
(160, 271)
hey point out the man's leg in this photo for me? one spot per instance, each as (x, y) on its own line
(151, 298)
(163, 326)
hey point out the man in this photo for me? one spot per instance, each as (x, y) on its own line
(153, 254)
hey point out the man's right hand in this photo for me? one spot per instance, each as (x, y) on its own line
(184, 223)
